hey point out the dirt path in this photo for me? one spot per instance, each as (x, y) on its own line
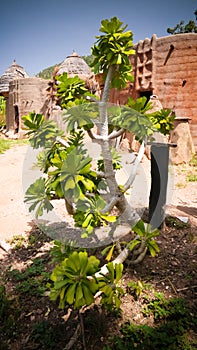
(14, 216)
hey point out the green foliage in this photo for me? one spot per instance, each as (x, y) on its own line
(81, 116)
(61, 251)
(161, 121)
(75, 175)
(2, 111)
(116, 160)
(141, 105)
(145, 233)
(109, 286)
(17, 241)
(193, 161)
(161, 308)
(38, 196)
(47, 73)
(74, 281)
(180, 28)
(89, 214)
(175, 222)
(88, 59)
(113, 49)
(137, 288)
(42, 132)
(44, 334)
(8, 317)
(3, 302)
(32, 280)
(131, 120)
(6, 144)
(170, 334)
(70, 89)
(191, 177)
(2, 105)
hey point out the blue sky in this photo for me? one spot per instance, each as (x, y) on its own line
(41, 33)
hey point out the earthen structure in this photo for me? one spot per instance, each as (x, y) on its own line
(166, 67)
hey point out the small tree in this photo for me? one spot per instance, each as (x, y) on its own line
(181, 28)
(91, 191)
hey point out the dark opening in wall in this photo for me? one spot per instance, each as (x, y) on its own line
(147, 94)
(16, 119)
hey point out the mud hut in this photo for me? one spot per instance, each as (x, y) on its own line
(75, 65)
(23, 94)
(15, 71)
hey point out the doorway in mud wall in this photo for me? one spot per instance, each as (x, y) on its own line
(16, 119)
(147, 94)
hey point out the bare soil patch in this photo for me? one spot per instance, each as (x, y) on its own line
(32, 321)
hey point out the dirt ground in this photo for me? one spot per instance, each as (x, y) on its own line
(37, 323)
(15, 218)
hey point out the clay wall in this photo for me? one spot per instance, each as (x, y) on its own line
(27, 95)
(175, 76)
(166, 67)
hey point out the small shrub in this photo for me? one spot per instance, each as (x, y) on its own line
(191, 177)
(33, 280)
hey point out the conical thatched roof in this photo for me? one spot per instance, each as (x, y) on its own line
(15, 71)
(75, 65)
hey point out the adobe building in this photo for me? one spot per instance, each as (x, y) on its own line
(23, 95)
(167, 67)
(26, 94)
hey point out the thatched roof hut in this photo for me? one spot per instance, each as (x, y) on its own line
(75, 65)
(15, 71)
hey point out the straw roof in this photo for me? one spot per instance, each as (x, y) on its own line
(75, 65)
(15, 71)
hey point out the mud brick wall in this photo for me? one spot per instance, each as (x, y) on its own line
(175, 76)
(27, 95)
(166, 67)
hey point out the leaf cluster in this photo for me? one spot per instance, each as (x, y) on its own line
(32, 280)
(113, 49)
(147, 235)
(109, 286)
(181, 28)
(42, 132)
(70, 89)
(89, 215)
(161, 121)
(74, 282)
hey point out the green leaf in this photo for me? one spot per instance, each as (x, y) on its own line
(110, 253)
(70, 293)
(118, 269)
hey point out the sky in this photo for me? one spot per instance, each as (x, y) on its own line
(41, 33)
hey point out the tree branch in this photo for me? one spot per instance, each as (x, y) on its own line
(62, 141)
(116, 133)
(132, 175)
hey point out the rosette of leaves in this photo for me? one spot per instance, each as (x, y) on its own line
(42, 132)
(162, 121)
(109, 286)
(113, 49)
(70, 89)
(89, 215)
(145, 235)
(74, 280)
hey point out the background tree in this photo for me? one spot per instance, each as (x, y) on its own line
(2, 111)
(180, 28)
